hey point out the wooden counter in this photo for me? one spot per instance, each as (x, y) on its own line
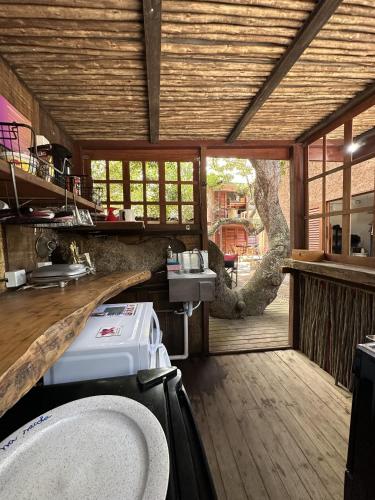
(37, 326)
(333, 310)
(358, 275)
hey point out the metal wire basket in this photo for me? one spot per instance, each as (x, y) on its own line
(82, 185)
(18, 147)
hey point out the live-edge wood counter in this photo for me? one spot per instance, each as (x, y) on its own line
(357, 275)
(37, 326)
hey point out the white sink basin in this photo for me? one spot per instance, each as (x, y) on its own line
(207, 273)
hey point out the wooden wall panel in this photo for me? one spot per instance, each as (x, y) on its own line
(21, 98)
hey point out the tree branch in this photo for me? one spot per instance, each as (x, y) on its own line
(245, 223)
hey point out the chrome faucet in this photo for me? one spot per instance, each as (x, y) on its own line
(201, 260)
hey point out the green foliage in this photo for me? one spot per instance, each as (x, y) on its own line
(186, 170)
(136, 173)
(115, 170)
(230, 171)
(171, 169)
(98, 170)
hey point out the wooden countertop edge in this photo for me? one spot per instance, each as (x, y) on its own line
(46, 349)
(343, 272)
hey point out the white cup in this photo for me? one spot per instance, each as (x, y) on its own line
(127, 215)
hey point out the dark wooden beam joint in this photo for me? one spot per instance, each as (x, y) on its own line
(304, 37)
(359, 103)
(152, 29)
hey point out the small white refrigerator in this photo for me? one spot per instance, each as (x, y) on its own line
(117, 340)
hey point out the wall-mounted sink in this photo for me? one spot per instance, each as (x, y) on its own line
(186, 286)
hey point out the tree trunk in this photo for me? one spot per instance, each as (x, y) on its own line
(246, 223)
(261, 289)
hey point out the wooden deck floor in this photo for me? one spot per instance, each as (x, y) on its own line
(252, 332)
(273, 424)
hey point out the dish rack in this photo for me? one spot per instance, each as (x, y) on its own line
(82, 185)
(18, 147)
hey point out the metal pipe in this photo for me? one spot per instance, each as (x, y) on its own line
(185, 354)
(188, 311)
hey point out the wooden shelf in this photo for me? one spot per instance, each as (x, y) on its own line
(39, 325)
(106, 227)
(129, 227)
(31, 187)
(358, 275)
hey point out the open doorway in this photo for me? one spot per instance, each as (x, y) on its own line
(235, 226)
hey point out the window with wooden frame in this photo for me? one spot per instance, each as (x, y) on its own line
(339, 190)
(159, 192)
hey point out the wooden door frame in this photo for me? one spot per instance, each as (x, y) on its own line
(297, 230)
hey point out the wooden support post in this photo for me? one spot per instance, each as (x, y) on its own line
(317, 19)
(152, 28)
(203, 223)
(348, 135)
(297, 236)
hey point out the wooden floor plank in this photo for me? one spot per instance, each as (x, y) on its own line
(272, 429)
(331, 424)
(253, 332)
(238, 396)
(202, 422)
(298, 361)
(326, 392)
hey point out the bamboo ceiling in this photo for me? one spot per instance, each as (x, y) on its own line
(87, 64)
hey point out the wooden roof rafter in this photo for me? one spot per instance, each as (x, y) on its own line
(318, 18)
(152, 29)
(356, 105)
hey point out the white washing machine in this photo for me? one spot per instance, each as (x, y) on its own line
(118, 339)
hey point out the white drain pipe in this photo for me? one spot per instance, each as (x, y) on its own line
(187, 312)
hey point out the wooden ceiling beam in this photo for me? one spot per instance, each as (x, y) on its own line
(318, 18)
(152, 28)
(355, 106)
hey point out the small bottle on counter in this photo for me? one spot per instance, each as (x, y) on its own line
(169, 253)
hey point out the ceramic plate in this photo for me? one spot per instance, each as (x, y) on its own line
(102, 447)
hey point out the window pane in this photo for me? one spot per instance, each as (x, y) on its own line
(172, 213)
(187, 214)
(315, 234)
(363, 133)
(98, 170)
(138, 211)
(360, 234)
(171, 171)
(363, 182)
(187, 193)
(186, 170)
(334, 187)
(335, 148)
(334, 205)
(101, 191)
(116, 192)
(152, 192)
(171, 192)
(135, 169)
(315, 189)
(115, 170)
(363, 200)
(315, 165)
(136, 192)
(98, 193)
(152, 170)
(153, 213)
(334, 243)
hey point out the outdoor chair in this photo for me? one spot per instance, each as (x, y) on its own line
(231, 266)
